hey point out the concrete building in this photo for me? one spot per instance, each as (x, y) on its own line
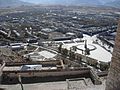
(113, 80)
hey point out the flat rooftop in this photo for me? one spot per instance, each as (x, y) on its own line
(28, 67)
(41, 56)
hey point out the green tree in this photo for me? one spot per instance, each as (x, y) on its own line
(104, 66)
(71, 55)
(65, 52)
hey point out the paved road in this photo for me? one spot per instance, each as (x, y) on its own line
(52, 86)
(38, 86)
(62, 85)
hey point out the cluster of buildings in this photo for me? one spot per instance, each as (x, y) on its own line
(54, 23)
(44, 44)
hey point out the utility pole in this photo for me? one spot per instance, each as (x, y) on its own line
(68, 85)
(1, 70)
(20, 81)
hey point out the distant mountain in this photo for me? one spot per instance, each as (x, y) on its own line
(115, 3)
(106, 1)
(66, 2)
(12, 3)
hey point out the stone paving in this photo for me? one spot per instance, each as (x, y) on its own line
(62, 85)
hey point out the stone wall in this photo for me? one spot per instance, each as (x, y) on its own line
(113, 80)
(34, 76)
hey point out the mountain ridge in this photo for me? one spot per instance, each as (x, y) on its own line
(115, 3)
(66, 2)
(12, 3)
(15, 3)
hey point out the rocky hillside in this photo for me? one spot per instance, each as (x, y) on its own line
(8, 55)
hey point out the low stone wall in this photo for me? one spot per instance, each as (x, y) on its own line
(51, 62)
(95, 78)
(46, 75)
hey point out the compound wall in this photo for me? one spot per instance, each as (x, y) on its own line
(113, 80)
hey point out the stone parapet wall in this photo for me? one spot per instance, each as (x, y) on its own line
(113, 80)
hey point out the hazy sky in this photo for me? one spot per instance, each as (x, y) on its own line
(39, 1)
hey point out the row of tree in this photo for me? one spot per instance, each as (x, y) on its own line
(74, 56)
(69, 53)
